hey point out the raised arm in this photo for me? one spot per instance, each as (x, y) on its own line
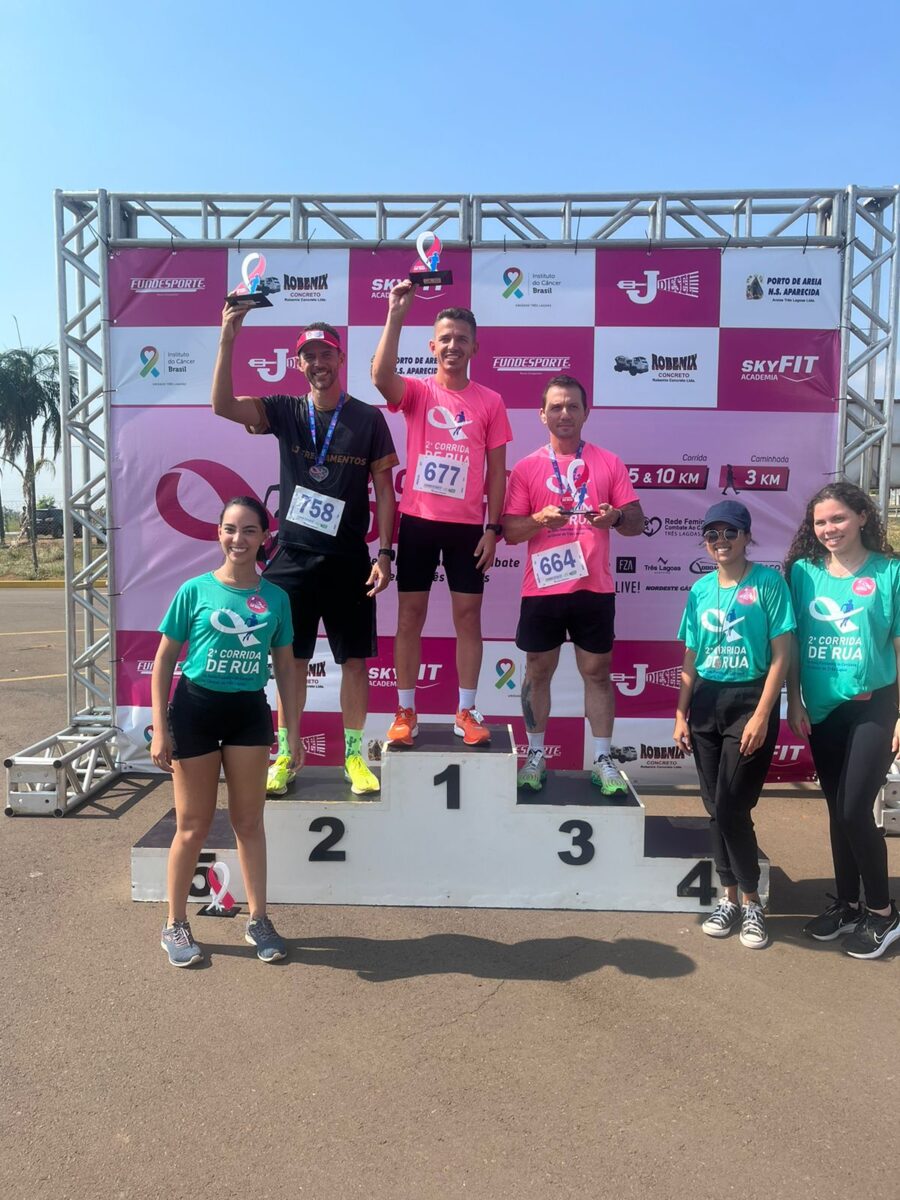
(384, 364)
(242, 409)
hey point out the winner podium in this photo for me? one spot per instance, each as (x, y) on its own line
(449, 828)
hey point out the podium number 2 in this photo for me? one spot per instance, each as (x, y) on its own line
(323, 852)
(450, 776)
(581, 833)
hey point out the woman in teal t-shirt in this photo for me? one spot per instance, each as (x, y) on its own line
(842, 694)
(219, 717)
(736, 632)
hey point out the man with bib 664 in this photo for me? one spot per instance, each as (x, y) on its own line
(563, 500)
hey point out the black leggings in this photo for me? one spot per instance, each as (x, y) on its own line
(852, 752)
(730, 782)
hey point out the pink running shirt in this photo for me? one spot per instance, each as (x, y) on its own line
(533, 485)
(447, 436)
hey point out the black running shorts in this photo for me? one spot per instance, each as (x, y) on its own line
(330, 588)
(201, 720)
(421, 544)
(588, 618)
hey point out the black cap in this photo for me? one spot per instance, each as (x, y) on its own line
(731, 512)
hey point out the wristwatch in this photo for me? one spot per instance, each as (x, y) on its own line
(498, 529)
(392, 554)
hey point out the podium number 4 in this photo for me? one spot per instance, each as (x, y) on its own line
(698, 882)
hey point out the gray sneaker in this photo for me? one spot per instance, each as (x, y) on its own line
(723, 919)
(533, 772)
(754, 934)
(270, 945)
(179, 944)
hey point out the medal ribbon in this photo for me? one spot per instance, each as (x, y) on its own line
(564, 489)
(320, 454)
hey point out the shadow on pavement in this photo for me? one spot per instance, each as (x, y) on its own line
(548, 959)
(118, 798)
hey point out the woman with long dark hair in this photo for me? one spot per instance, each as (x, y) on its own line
(736, 631)
(219, 717)
(842, 694)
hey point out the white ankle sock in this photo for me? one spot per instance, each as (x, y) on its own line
(406, 697)
(536, 742)
(466, 698)
(602, 746)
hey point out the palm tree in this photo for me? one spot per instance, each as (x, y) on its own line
(29, 407)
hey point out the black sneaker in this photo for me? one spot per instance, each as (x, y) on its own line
(873, 934)
(723, 919)
(839, 918)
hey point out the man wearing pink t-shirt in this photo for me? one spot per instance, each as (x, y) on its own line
(457, 433)
(563, 500)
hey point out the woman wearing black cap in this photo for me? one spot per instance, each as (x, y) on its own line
(737, 634)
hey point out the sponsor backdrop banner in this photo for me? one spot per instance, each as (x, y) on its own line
(710, 373)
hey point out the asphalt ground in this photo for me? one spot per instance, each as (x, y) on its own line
(405, 1054)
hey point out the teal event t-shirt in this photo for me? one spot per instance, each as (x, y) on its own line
(845, 629)
(229, 631)
(730, 628)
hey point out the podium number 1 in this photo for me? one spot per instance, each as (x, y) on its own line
(450, 776)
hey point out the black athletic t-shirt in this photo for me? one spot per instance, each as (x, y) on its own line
(361, 445)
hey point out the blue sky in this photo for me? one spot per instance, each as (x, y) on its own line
(510, 98)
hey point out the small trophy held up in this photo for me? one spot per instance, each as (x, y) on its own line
(253, 290)
(425, 273)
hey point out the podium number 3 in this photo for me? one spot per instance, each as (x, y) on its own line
(581, 833)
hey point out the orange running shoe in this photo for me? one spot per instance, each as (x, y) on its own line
(471, 728)
(404, 728)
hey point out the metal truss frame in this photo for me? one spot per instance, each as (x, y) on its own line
(864, 222)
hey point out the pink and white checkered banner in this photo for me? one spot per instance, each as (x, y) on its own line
(709, 372)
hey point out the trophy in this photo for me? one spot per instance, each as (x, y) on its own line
(425, 273)
(221, 902)
(253, 291)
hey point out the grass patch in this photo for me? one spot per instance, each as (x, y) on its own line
(16, 563)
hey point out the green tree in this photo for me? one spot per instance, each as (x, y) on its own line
(29, 418)
(45, 502)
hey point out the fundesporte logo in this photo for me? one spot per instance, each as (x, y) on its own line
(532, 364)
(173, 285)
(686, 283)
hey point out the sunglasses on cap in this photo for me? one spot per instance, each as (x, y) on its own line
(713, 535)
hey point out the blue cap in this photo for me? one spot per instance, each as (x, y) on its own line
(731, 512)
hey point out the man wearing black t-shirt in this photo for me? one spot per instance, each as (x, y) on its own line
(330, 444)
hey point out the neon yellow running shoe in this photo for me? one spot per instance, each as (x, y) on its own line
(281, 773)
(359, 776)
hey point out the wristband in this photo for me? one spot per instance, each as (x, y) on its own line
(392, 554)
(618, 521)
(492, 528)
